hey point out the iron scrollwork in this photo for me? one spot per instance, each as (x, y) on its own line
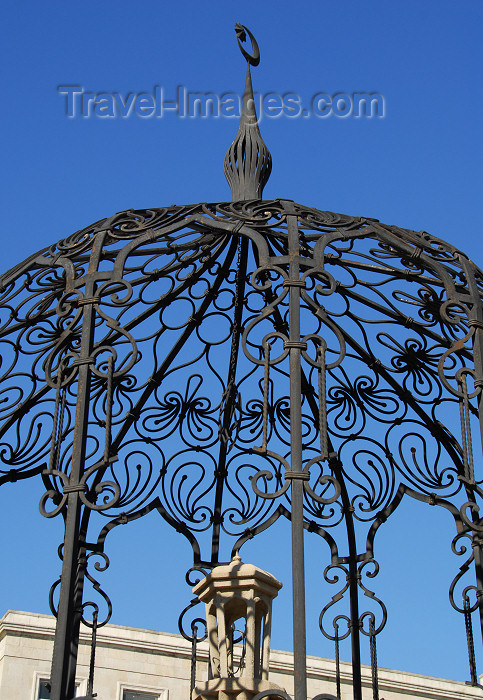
(174, 326)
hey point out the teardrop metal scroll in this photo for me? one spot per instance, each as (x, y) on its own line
(193, 624)
(101, 566)
(369, 615)
(85, 494)
(192, 581)
(241, 35)
(268, 476)
(461, 549)
(336, 598)
(323, 480)
(95, 613)
(195, 569)
(469, 511)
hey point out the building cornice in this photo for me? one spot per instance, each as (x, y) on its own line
(20, 624)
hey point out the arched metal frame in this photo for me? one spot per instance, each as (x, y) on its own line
(230, 364)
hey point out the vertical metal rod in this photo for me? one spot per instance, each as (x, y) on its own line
(66, 639)
(373, 650)
(477, 544)
(194, 641)
(220, 472)
(337, 661)
(353, 581)
(297, 492)
(60, 675)
(354, 611)
(298, 582)
(478, 555)
(469, 640)
(90, 682)
(477, 324)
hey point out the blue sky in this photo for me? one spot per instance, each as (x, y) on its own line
(418, 167)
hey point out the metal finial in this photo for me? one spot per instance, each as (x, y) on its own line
(248, 162)
(241, 35)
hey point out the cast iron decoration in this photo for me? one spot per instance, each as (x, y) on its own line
(230, 364)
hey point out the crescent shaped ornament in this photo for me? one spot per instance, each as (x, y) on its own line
(241, 35)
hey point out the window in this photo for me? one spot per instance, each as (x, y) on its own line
(44, 692)
(126, 691)
(44, 689)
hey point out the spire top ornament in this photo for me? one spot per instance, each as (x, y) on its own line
(248, 162)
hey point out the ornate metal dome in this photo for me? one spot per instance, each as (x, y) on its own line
(231, 364)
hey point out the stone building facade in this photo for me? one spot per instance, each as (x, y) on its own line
(138, 664)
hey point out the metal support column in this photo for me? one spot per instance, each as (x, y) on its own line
(64, 657)
(297, 491)
(477, 323)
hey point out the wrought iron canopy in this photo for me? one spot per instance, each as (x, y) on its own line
(233, 363)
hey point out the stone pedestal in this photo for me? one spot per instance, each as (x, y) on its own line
(231, 689)
(242, 593)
